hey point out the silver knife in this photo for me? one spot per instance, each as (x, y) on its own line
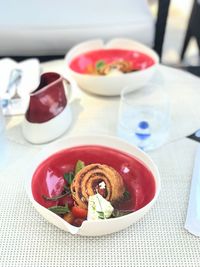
(192, 223)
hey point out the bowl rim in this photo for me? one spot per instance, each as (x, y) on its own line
(29, 172)
(69, 56)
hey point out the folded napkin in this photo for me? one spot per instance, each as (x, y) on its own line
(16, 83)
(192, 223)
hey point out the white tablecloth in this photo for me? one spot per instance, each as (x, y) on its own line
(159, 239)
(90, 111)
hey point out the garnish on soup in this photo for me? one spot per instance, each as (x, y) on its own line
(90, 192)
(97, 178)
(115, 67)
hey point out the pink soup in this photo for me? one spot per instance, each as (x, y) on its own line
(87, 62)
(48, 178)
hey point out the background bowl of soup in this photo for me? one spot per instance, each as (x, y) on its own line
(105, 69)
(140, 175)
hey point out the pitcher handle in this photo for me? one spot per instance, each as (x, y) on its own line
(72, 90)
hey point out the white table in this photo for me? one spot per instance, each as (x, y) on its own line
(159, 239)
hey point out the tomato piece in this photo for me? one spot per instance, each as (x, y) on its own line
(67, 200)
(79, 212)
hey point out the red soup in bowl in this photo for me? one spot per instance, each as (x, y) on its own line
(104, 61)
(51, 180)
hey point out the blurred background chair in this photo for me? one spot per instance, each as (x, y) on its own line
(192, 31)
(47, 29)
(193, 28)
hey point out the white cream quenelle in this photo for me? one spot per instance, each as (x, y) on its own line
(99, 208)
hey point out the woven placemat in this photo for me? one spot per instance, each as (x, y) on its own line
(159, 239)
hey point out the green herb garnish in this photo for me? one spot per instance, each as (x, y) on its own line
(100, 64)
(69, 177)
(60, 210)
(55, 197)
(79, 165)
(101, 214)
(126, 195)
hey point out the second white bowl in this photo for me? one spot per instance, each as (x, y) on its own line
(111, 85)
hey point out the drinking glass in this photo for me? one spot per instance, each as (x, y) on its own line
(144, 116)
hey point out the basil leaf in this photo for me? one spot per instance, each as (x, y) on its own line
(79, 165)
(69, 177)
(60, 210)
(101, 214)
(127, 195)
(67, 190)
(100, 64)
(55, 197)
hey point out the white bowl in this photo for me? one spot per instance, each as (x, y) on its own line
(111, 85)
(100, 227)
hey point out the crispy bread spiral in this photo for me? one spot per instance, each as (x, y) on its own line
(121, 65)
(87, 180)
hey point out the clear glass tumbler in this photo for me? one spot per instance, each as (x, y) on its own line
(144, 116)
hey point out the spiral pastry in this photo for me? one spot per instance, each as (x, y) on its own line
(121, 65)
(88, 181)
